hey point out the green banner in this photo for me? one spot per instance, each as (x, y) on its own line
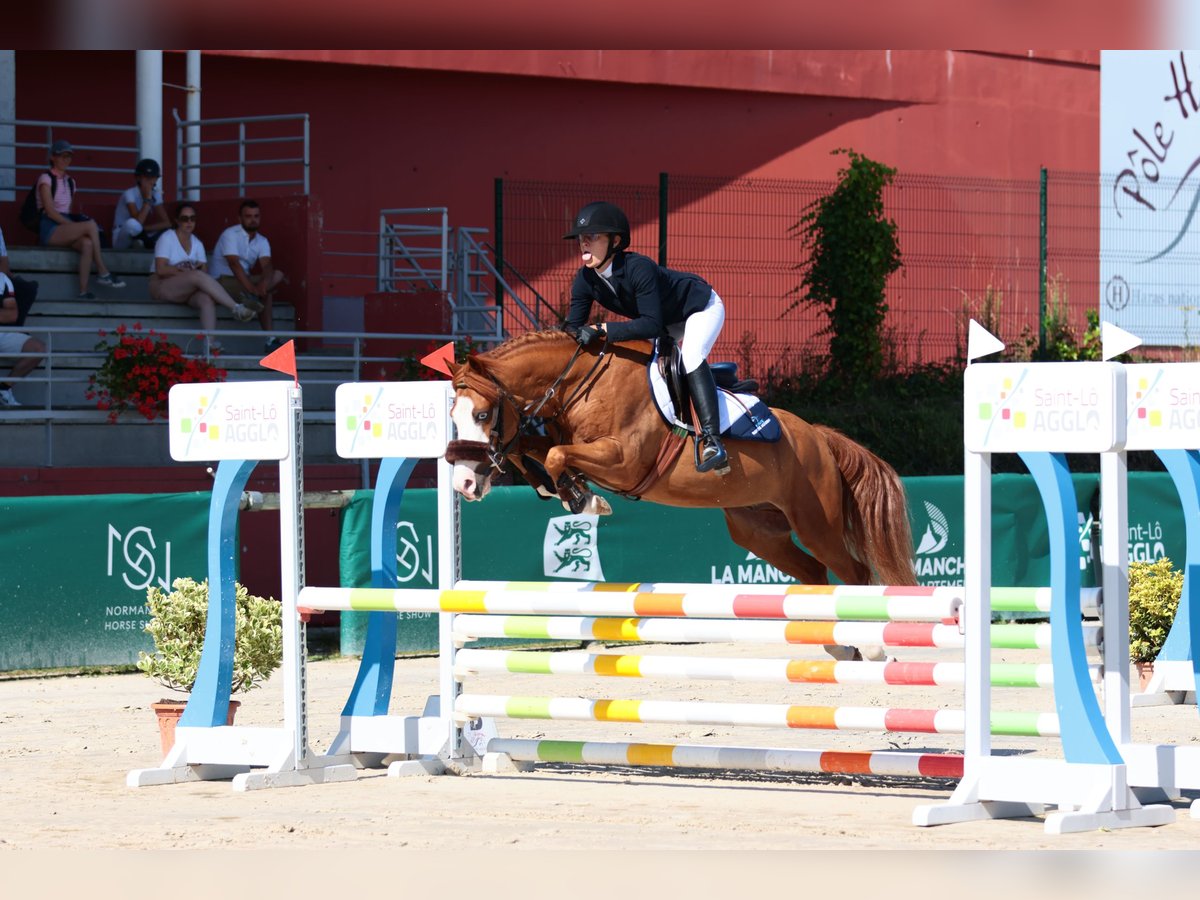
(76, 570)
(513, 536)
(1020, 535)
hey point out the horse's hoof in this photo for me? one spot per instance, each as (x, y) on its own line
(599, 506)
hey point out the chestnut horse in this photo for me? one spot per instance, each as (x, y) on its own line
(846, 506)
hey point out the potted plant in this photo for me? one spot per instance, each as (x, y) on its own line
(1154, 592)
(177, 624)
(139, 369)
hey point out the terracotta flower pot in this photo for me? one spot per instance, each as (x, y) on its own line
(169, 711)
(1145, 671)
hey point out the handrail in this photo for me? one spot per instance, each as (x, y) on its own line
(188, 180)
(19, 150)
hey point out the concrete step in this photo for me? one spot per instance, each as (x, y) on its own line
(54, 286)
(86, 438)
(36, 260)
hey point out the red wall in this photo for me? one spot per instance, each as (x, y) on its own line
(389, 136)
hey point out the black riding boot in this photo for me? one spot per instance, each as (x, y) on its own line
(710, 452)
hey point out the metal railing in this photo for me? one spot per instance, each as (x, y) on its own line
(478, 278)
(417, 250)
(63, 376)
(108, 150)
(241, 152)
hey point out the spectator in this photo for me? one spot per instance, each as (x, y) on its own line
(59, 227)
(26, 289)
(140, 214)
(14, 343)
(178, 274)
(238, 248)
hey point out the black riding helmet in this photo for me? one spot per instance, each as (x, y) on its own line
(600, 218)
(148, 168)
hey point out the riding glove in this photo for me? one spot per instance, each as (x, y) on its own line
(587, 334)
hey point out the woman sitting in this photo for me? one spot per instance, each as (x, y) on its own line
(178, 274)
(59, 227)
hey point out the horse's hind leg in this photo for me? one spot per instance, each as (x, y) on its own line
(767, 533)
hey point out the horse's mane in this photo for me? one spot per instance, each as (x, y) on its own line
(523, 341)
(479, 370)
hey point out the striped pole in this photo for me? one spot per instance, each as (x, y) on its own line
(1016, 636)
(762, 715)
(775, 671)
(1004, 599)
(704, 601)
(693, 756)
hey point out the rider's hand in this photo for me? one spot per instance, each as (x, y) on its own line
(587, 334)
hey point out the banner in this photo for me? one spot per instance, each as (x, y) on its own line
(75, 572)
(1148, 193)
(513, 536)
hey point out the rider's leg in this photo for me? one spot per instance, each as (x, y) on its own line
(710, 451)
(700, 332)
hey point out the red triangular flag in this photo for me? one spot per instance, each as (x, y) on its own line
(441, 359)
(282, 360)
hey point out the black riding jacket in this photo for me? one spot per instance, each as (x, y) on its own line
(650, 295)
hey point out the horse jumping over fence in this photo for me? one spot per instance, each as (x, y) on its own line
(846, 506)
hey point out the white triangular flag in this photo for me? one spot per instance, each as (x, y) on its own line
(981, 342)
(1115, 340)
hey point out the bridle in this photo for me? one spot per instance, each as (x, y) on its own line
(529, 417)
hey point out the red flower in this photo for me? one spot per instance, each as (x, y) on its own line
(138, 370)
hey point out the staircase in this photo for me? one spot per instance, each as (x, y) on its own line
(57, 424)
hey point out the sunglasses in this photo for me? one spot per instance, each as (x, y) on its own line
(186, 219)
(590, 238)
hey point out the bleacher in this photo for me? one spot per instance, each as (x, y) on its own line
(58, 425)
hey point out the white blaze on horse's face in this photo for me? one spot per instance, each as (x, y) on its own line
(472, 484)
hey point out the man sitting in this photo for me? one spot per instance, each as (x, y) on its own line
(140, 215)
(238, 249)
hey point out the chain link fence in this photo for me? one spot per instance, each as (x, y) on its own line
(971, 247)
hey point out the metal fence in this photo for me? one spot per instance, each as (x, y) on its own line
(971, 247)
(241, 155)
(105, 154)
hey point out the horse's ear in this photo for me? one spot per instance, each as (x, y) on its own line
(462, 370)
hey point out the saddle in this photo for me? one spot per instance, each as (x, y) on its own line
(670, 366)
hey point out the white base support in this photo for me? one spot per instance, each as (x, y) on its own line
(1196, 809)
(181, 774)
(503, 764)
(1087, 797)
(322, 774)
(1162, 771)
(407, 768)
(1173, 683)
(234, 752)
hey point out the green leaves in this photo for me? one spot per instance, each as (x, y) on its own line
(1154, 591)
(853, 249)
(177, 624)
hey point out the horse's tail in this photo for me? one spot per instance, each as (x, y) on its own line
(876, 509)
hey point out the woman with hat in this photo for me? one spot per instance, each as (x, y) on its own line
(59, 227)
(656, 300)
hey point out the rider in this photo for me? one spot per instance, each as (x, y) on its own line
(656, 299)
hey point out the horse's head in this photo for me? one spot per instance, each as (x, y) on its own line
(482, 428)
(496, 393)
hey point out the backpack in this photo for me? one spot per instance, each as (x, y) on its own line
(31, 216)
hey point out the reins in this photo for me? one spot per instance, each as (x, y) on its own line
(528, 416)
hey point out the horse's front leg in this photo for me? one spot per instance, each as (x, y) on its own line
(568, 464)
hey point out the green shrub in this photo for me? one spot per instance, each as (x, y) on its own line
(177, 623)
(1154, 591)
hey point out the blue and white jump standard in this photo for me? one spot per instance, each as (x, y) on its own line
(1042, 411)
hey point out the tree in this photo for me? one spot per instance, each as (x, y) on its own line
(852, 251)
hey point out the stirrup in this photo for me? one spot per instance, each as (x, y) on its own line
(717, 461)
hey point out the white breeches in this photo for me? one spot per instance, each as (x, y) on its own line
(698, 332)
(123, 239)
